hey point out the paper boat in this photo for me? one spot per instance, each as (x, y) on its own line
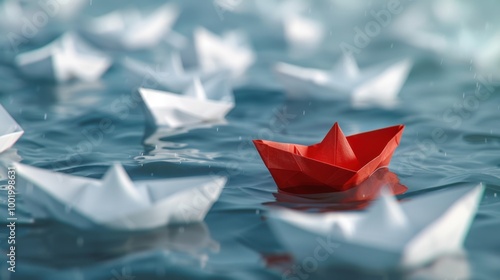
(115, 201)
(357, 197)
(337, 163)
(387, 235)
(10, 131)
(378, 85)
(228, 52)
(132, 30)
(66, 58)
(199, 103)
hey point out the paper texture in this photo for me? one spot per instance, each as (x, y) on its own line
(337, 163)
(66, 58)
(133, 30)
(115, 201)
(10, 131)
(376, 86)
(199, 103)
(388, 234)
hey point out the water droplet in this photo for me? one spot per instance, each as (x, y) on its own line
(45, 116)
(257, 211)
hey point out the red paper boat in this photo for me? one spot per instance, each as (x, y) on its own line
(335, 164)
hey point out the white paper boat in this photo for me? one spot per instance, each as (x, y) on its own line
(115, 201)
(66, 58)
(437, 26)
(133, 30)
(207, 102)
(378, 85)
(387, 235)
(228, 52)
(10, 131)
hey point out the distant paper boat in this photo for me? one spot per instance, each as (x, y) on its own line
(133, 30)
(66, 58)
(337, 163)
(386, 235)
(357, 197)
(200, 103)
(115, 201)
(378, 85)
(10, 131)
(228, 52)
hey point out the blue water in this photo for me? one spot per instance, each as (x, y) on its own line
(451, 136)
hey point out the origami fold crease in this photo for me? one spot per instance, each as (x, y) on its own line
(115, 201)
(199, 103)
(388, 233)
(10, 131)
(337, 163)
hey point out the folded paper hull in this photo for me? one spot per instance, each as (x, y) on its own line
(377, 86)
(10, 131)
(66, 58)
(130, 30)
(175, 111)
(295, 173)
(183, 208)
(435, 224)
(72, 200)
(334, 251)
(7, 141)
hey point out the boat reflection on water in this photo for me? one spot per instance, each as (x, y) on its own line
(356, 198)
(185, 243)
(158, 148)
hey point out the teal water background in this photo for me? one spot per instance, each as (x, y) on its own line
(443, 96)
